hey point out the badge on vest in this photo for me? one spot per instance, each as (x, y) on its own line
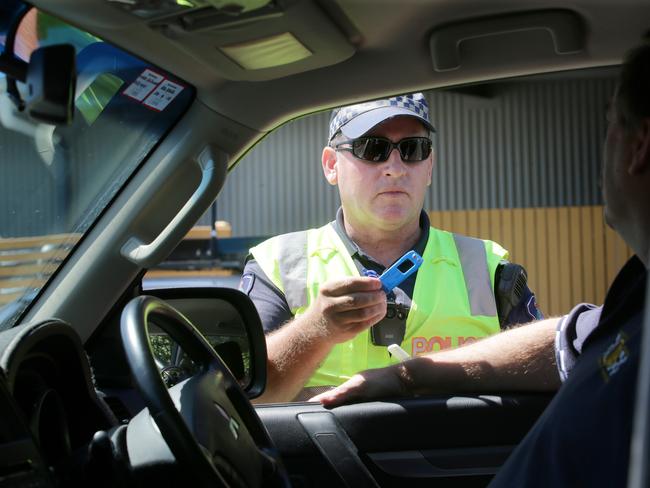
(614, 357)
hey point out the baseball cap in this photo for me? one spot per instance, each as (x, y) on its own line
(355, 120)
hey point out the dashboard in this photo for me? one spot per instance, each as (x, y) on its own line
(51, 420)
(74, 414)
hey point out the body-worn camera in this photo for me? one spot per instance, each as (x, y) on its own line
(391, 329)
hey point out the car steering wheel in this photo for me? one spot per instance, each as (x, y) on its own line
(207, 421)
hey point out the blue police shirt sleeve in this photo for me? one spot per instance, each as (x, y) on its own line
(270, 302)
(572, 331)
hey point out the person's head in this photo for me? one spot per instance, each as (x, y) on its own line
(379, 155)
(626, 155)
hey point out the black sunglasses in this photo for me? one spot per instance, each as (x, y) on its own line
(378, 149)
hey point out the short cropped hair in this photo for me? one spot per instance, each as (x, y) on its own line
(337, 139)
(633, 94)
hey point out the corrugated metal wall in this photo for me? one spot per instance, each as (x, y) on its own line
(508, 145)
(279, 185)
(570, 255)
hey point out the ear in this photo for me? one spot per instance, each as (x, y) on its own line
(640, 162)
(329, 162)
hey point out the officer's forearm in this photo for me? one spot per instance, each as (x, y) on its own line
(294, 352)
(520, 359)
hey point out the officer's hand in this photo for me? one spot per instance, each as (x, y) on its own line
(365, 386)
(345, 307)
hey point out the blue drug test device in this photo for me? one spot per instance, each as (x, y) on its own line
(400, 270)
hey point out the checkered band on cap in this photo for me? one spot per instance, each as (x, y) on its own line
(412, 104)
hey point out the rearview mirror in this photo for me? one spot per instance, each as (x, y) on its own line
(229, 321)
(51, 80)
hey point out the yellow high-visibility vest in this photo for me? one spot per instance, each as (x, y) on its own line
(453, 300)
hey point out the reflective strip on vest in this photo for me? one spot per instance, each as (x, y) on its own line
(473, 260)
(293, 268)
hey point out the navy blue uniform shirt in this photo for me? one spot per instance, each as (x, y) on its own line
(274, 310)
(583, 437)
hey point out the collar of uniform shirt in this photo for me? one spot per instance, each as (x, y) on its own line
(368, 261)
(625, 298)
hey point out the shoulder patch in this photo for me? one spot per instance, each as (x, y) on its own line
(614, 357)
(246, 283)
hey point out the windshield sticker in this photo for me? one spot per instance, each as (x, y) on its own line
(163, 95)
(143, 85)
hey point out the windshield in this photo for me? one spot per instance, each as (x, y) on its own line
(56, 180)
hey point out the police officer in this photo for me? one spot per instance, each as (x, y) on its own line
(324, 318)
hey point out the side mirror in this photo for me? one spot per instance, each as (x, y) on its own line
(229, 321)
(51, 81)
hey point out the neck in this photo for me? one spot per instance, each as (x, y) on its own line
(643, 251)
(636, 232)
(384, 245)
(644, 239)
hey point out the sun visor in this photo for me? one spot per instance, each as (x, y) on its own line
(270, 41)
(508, 40)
